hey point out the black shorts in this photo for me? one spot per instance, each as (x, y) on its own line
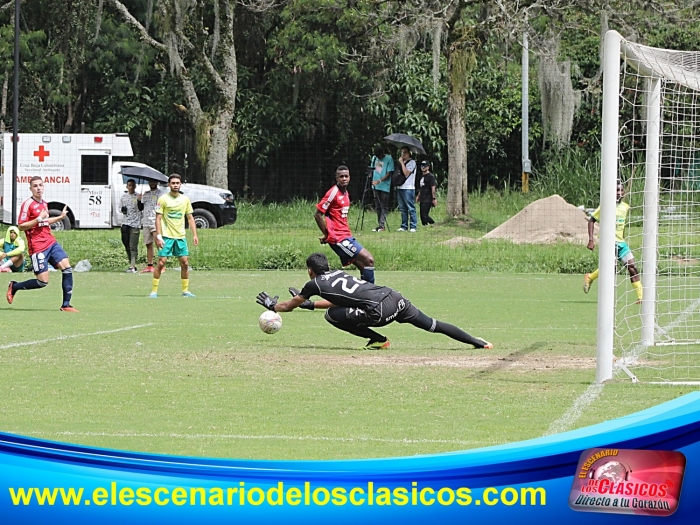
(394, 307)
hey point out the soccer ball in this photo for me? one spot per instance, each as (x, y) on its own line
(270, 322)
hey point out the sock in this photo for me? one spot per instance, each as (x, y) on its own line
(31, 284)
(593, 275)
(457, 334)
(150, 265)
(154, 287)
(185, 285)
(368, 274)
(67, 285)
(6, 264)
(638, 289)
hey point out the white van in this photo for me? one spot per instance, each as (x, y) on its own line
(83, 172)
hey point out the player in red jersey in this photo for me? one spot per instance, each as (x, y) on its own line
(43, 248)
(332, 219)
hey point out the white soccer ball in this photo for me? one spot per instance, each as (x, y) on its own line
(270, 322)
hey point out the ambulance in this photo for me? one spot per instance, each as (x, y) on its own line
(84, 173)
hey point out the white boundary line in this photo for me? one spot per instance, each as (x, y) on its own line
(242, 437)
(566, 421)
(63, 337)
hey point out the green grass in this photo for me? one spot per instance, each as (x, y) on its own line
(202, 379)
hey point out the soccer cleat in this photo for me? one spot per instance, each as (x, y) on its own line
(376, 345)
(487, 345)
(153, 295)
(147, 269)
(188, 294)
(6, 270)
(10, 296)
(69, 308)
(587, 283)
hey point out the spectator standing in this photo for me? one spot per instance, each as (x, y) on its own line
(406, 193)
(383, 166)
(148, 202)
(426, 196)
(131, 224)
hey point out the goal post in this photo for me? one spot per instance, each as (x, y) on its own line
(651, 144)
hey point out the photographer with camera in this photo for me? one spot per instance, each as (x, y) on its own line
(382, 166)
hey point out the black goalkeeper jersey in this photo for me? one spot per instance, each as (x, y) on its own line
(343, 289)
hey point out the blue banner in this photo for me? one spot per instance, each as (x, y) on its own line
(528, 482)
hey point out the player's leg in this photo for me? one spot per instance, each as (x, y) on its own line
(40, 266)
(407, 313)
(163, 254)
(588, 280)
(624, 255)
(59, 258)
(365, 263)
(355, 322)
(635, 279)
(182, 251)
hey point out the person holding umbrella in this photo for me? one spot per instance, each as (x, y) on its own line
(406, 193)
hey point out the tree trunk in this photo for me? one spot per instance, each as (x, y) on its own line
(457, 196)
(213, 139)
(217, 162)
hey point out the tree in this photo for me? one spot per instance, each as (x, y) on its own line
(203, 61)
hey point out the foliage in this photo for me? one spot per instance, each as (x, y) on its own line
(573, 173)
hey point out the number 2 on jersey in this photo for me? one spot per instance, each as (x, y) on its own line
(344, 284)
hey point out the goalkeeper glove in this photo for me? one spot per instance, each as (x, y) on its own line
(266, 301)
(306, 305)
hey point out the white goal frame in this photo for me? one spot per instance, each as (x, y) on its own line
(616, 49)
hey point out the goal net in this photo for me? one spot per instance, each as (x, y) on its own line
(651, 144)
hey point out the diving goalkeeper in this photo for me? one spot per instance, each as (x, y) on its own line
(354, 305)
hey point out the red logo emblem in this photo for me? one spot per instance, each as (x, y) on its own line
(619, 481)
(41, 153)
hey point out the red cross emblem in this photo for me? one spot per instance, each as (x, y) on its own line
(41, 153)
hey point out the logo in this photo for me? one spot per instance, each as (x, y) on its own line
(41, 153)
(620, 481)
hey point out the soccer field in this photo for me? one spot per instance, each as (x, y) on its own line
(197, 377)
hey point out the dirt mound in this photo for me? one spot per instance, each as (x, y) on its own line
(544, 221)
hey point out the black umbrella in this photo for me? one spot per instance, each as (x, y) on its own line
(400, 140)
(143, 172)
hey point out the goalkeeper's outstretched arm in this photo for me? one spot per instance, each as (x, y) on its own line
(272, 303)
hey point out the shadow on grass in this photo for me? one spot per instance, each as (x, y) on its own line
(509, 360)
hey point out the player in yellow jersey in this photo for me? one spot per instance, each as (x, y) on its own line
(624, 254)
(171, 210)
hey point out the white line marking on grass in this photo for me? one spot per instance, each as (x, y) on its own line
(63, 337)
(639, 348)
(243, 436)
(572, 415)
